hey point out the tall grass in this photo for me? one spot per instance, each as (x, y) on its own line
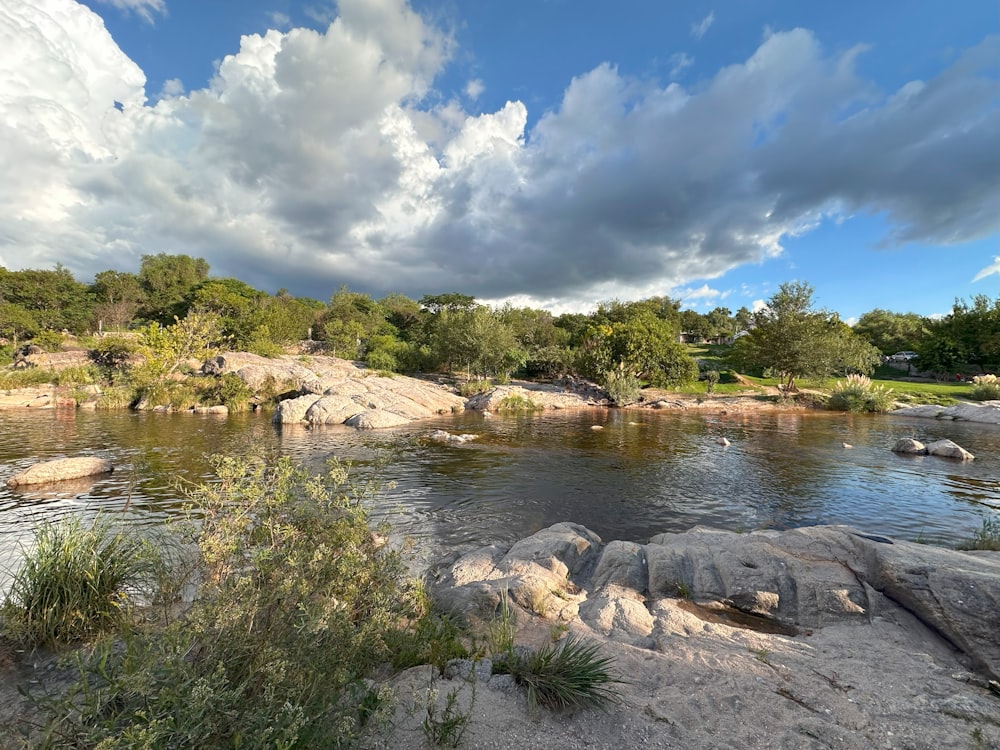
(76, 583)
(857, 393)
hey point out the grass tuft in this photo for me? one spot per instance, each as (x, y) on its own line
(77, 583)
(568, 674)
(987, 538)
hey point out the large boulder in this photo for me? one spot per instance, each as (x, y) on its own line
(802, 579)
(910, 446)
(61, 469)
(985, 411)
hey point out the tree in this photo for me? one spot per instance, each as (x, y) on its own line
(168, 281)
(350, 320)
(118, 295)
(477, 340)
(969, 334)
(892, 332)
(795, 341)
(742, 320)
(695, 324)
(53, 299)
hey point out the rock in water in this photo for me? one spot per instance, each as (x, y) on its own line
(948, 449)
(61, 469)
(909, 445)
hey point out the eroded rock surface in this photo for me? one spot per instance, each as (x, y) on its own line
(985, 411)
(803, 579)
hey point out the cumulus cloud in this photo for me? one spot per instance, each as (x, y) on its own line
(145, 9)
(474, 89)
(315, 159)
(698, 29)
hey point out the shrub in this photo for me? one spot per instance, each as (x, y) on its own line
(986, 388)
(987, 538)
(229, 389)
(622, 387)
(10, 379)
(472, 387)
(78, 375)
(562, 675)
(381, 360)
(77, 582)
(113, 354)
(857, 394)
(116, 397)
(50, 341)
(517, 402)
(298, 603)
(711, 380)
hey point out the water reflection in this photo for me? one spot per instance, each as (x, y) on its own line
(642, 473)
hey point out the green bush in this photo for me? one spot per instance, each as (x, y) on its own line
(113, 354)
(517, 402)
(472, 387)
(50, 341)
(381, 360)
(986, 388)
(857, 394)
(25, 378)
(78, 375)
(298, 602)
(562, 675)
(622, 387)
(229, 389)
(76, 583)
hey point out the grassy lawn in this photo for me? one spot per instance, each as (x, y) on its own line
(943, 393)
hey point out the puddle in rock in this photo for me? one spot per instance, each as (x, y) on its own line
(722, 614)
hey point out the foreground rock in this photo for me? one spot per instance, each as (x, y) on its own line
(874, 648)
(61, 469)
(985, 411)
(801, 579)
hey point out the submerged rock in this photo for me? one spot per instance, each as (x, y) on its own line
(61, 469)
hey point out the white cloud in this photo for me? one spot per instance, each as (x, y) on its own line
(698, 29)
(678, 62)
(993, 268)
(757, 305)
(692, 296)
(474, 89)
(145, 9)
(319, 159)
(172, 87)
(280, 20)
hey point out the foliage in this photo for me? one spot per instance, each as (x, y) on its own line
(892, 332)
(166, 282)
(857, 393)
(52, 300)
(49, 340)
(445, 728)
(75, 583)
(517, 402)
(113, 354)
(472, 387)
(118, 296)
(711, 380)
(987, 538)
(986, 388)
(77, 375)
(969, 334)
(297, 604)
(24, 378)
(229, 389)
(117, 397)
(795, 341)
(569, 674)
(198, 336)
(622, 386)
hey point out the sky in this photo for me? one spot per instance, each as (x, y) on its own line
(551, 153)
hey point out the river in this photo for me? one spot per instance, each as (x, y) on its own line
(641, 473)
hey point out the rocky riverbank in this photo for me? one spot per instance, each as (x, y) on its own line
(814, 638)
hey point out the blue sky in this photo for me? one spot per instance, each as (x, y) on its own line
(550, 152)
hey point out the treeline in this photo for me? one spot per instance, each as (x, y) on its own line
(620, 342)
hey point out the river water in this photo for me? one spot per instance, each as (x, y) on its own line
(642, 473)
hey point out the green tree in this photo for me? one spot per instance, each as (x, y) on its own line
(351, 319)
(118, 295)
(197, 336)
(478, 341)
(695, 324)
(969, 334)
(168, 281)
(892, 332)
(53, 299)
(742, 320)
(792, 339)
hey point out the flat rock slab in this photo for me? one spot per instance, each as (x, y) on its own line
(61, 469)
(986, 411)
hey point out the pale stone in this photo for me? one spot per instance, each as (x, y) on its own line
(948, 449)
(61, 469)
